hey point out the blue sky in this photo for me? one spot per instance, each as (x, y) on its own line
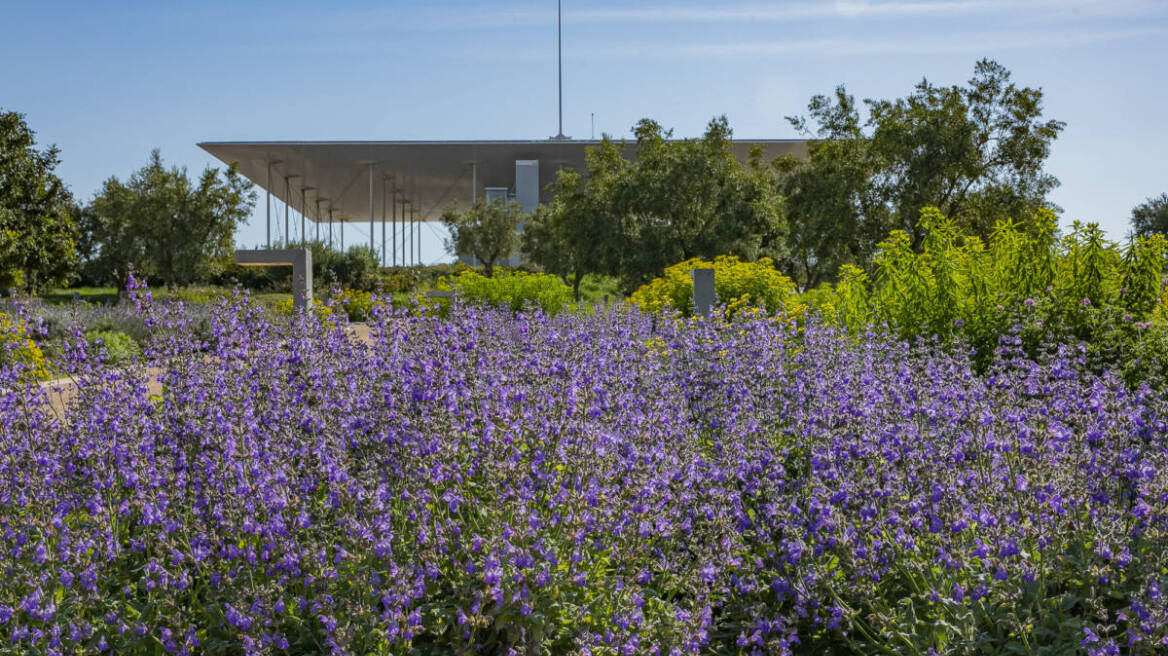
(109, 81)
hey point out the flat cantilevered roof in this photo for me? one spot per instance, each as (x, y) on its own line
(430, 175)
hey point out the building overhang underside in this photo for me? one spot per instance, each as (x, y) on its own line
(369, 180)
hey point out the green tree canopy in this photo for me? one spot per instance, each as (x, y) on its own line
(487, 231)
(676, 200)
(580, 232)
(1151, 216)
(693, 198)
(38, 217)
(162, 224)
(976, 152)
(834, 217)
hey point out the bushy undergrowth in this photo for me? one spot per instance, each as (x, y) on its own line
(357, 268)
(18, 351)
(514, 290)
(737, 284)
(600, 484)
(123, 328)
(355, 304)
(1078, 288)
(114, 346)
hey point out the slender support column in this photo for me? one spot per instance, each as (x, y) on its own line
(316, 221)
(560, 67)
(474, 183)
(287, 197)
(303, 211)
(268, 189)
(342, 236)
(414, 229)
(330, 228)
(383, 223)
(371, 246)
(402, 227)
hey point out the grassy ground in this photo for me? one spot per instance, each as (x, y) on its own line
(109, 295)
(99, 295)
(594, 290)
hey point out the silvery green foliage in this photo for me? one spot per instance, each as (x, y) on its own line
(592, 484)
(56, 323)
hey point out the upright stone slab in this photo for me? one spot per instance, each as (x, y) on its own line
(300, 259)
(703, 291)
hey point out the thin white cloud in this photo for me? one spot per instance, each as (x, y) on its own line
(986, 43)
(919, 45)
(503, 16)
(774, 12)
(976, 43)
(784, 12)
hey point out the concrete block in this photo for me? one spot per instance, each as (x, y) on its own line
(703, 292)
(300, 259)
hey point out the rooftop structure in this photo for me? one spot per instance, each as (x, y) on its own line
(404, 183)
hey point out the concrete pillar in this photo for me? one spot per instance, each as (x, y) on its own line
(300, 259)
(703, 292)
(302, 279)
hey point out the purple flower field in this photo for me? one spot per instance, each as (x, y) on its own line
(596, 484)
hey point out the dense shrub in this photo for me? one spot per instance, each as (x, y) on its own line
(514, 290)
(1077, 288)
(353, 303)
(737, 284)
(57, 326)
(356, 268)
(115, 347)
(399, 280)
(287, 308)
(358, 305)
(19, 353)
(600, 484)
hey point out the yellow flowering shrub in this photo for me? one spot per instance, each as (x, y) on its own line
(356, 303)
(739, 286)
(510, 289)
(16, 346)
(286, 307)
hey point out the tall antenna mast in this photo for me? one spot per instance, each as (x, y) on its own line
(560, 66)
